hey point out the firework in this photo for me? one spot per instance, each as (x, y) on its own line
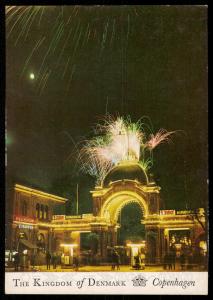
(161, 136)
(95, 158)
(119, 139)
(74, 28)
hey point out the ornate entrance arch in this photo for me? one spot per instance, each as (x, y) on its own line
(115, 202)
(110, 198)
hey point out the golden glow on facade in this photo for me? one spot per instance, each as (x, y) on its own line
(203, 246)
(112, 206)
(142, 244)
(24, 189)
(107, 205)
(69, 245)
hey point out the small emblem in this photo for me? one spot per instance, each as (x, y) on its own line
(139, 281)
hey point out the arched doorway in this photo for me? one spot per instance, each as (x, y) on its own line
(130, 233)
(124, 202)
(131, 229)
(109, 202)
(114, 204)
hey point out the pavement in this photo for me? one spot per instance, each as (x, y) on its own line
(106, 268)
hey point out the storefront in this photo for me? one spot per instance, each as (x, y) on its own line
(180, 241)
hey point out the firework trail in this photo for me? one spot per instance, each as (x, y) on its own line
(161, 136)
(75, 27)
(119, 139)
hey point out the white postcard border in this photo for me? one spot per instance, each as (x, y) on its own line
(128, 283)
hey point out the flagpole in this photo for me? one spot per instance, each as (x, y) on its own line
(77, 199)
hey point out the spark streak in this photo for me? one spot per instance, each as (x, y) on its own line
(119, 139)
(75, 27)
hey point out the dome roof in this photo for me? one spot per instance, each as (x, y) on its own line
(126, 170)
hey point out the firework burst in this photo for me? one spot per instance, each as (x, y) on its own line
(161, 136)
(119, 139)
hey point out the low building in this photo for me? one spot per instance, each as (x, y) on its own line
(31, 218)
(34, 229)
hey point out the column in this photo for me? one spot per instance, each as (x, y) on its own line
(104, 245)
(50, 240)
(114, 237)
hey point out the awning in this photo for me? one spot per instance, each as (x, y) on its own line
(28, 244)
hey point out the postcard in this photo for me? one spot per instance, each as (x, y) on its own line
(106, 149)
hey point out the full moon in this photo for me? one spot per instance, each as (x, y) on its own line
(32, 76)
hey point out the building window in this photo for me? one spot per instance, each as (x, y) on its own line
(37, 210)
(46, 213)
(24, 208)
(16, 208)
(41, 241)
(42, 211)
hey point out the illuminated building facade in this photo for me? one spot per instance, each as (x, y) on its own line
(165, 229)
(32, 212)
(35, 227)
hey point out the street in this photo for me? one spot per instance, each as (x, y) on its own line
(106, 268)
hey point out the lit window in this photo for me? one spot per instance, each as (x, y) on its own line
(46, 212)
(24, 208)
(16, 208)
(37, 210)
(42, 211)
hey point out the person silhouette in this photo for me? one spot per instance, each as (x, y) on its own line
(16, 261)
(117, 260)
(48, 260)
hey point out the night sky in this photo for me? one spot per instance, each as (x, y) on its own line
(123, 60)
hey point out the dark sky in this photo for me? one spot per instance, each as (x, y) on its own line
(127, 60)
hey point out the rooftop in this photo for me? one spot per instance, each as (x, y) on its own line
(131, 170)
(31, 191)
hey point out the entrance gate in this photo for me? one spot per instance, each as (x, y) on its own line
(128, 183)
(113, 195)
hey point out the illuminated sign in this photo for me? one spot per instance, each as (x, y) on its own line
(58, 217)
(184, 212)
(167, 212)
(73, 217)
(23, 219)
(87, 215)
(25, 226)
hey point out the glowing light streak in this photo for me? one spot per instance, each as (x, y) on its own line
(38, 44)
(69, 34)
(69, 245)
(161, 136)
(116, 140)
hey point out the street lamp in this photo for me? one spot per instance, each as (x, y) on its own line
(135, 249)
(71, 250)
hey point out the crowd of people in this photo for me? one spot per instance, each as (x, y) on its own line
(55, 260)
(23, 261)
(115, 260)
(184, 261)
(170, 260)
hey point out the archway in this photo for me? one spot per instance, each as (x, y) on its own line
(108, 202)
(110, 211)
(114, 204)
(131, 229)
